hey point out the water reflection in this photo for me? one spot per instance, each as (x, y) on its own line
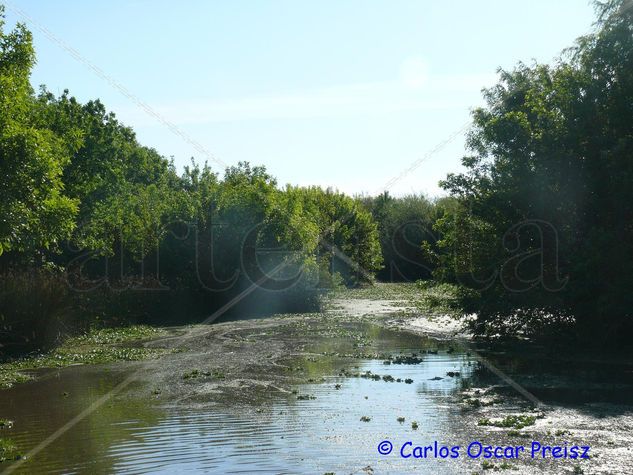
(321, 432)
(319, 435)
(287, 435)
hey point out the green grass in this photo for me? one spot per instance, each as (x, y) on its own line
(96, 347)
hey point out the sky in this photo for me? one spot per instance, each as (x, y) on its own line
(358, 95)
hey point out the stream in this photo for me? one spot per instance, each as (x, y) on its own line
(404, 388)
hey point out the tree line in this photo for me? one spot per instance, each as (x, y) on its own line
(88, 217)
(535, 234)
(543, 231)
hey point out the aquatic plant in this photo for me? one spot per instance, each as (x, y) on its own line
(513, 421)
(8, 451)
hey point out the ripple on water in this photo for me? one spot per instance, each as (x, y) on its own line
(289, 435)
(314, 435)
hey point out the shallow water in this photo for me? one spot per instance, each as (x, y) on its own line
(285, 435)
(132, 434)
(319, 435)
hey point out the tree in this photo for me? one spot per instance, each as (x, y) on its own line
(348, 235)
(405, 226)
(35, 211)
(546, 203)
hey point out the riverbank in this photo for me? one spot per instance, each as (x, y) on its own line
(317, 375)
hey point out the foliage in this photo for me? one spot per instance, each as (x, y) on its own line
(95, 227)
(543, 224)
(34, 211)
(408, 239)
(348, 236)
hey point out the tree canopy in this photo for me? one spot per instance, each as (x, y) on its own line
(546, 204)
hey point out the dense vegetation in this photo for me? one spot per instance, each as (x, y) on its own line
(543, 232)
(537, 233)
(407, 235)
(96, 227)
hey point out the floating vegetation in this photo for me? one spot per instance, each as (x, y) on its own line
(487, 465)
(8, 378)
(305, 397)
(414, 359)
(95, 347)
(109, 336)
(8, 451)
(414, 425)
(376, 377)
(515, 422)
(365, 419)
(196, 373)
(401, 419)
(476, 402)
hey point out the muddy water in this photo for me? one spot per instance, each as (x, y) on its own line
(286, 434)
(318, 429)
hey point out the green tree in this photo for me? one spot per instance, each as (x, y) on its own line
(35, 211)
(348, 235)
(550, 176)
(407, 236)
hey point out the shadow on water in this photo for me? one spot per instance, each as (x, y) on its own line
(561, 378)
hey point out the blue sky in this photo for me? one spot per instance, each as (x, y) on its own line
(345, 93)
